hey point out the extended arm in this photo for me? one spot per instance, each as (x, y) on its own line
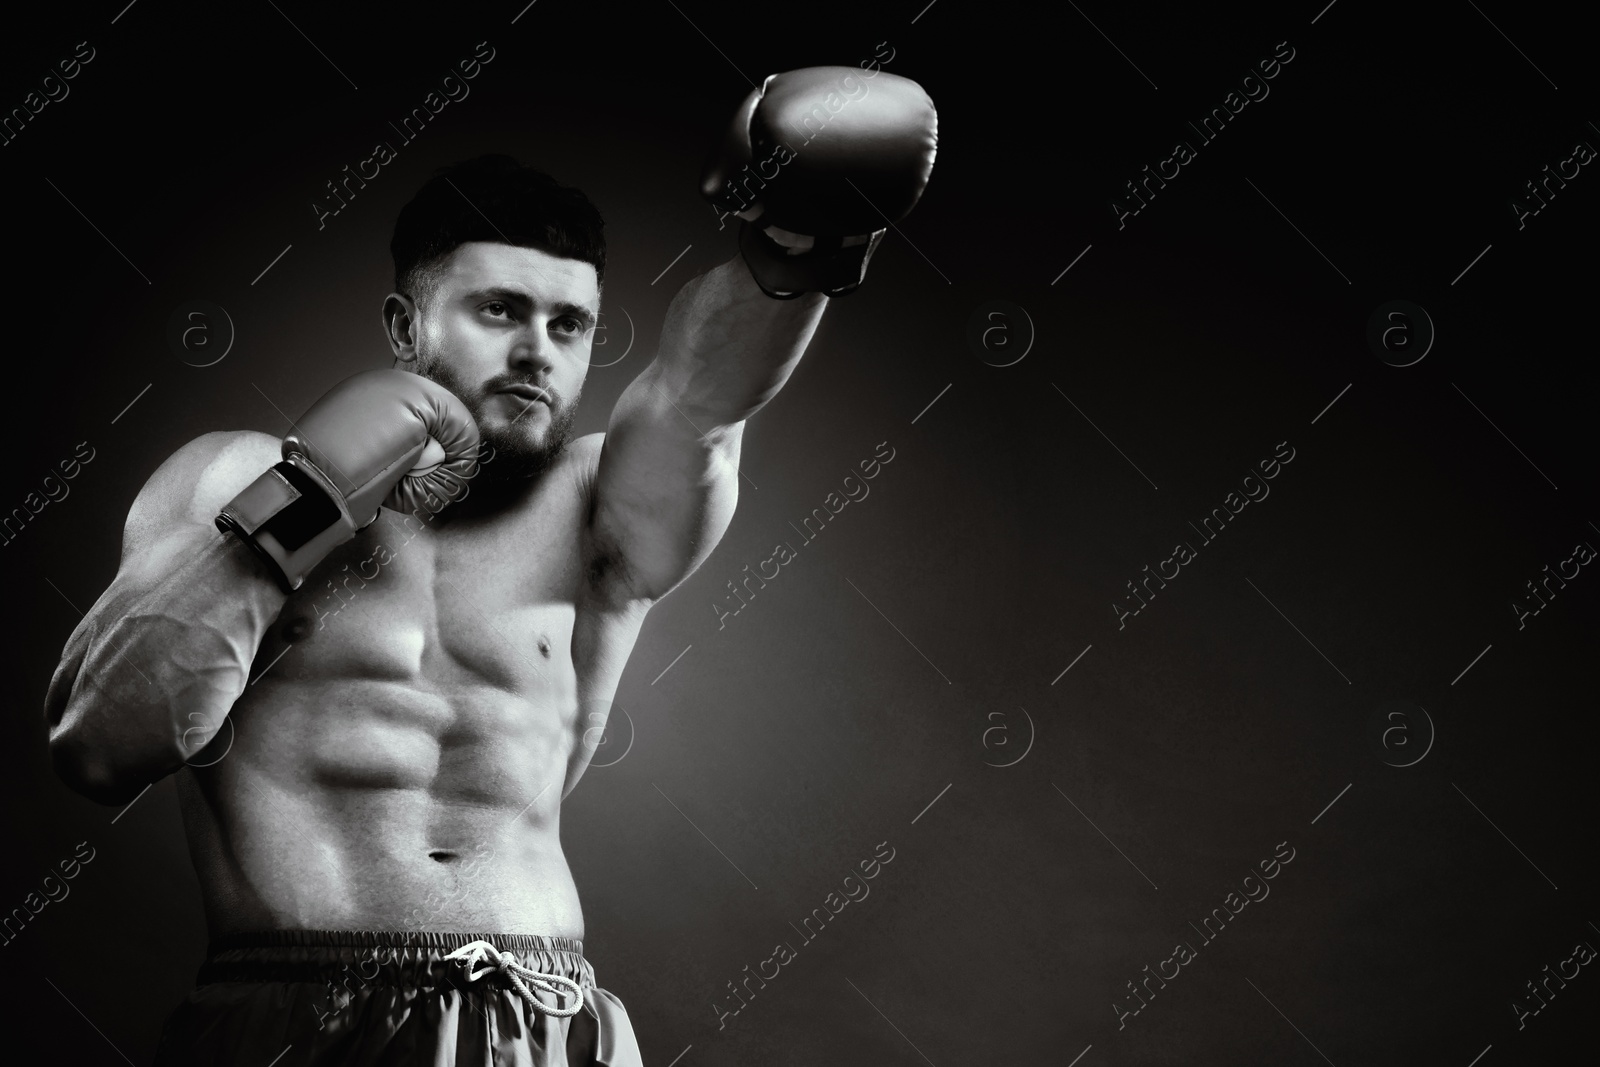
(815, 162)
(668, 477)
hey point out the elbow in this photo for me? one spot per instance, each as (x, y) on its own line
(92, 773)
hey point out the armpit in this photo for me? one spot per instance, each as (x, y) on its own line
(606, 572)
(605, 569)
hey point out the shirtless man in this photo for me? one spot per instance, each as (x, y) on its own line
(364, 648)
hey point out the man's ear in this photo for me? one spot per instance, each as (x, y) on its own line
(400, 323)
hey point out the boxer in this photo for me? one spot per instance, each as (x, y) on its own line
(364, 648)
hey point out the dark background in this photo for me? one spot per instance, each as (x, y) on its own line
(921, 641)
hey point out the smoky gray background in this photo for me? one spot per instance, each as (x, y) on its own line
(856, 699)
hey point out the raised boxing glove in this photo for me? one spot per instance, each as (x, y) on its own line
(381, 437)
(818, 162)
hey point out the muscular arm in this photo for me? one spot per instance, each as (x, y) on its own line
(152, 670)
(668, 476)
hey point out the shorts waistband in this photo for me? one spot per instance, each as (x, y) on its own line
(411, 959)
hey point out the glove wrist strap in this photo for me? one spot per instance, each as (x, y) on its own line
(829, 266)
(291, 517)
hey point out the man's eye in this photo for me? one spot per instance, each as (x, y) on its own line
(572, 325)
(495, 307)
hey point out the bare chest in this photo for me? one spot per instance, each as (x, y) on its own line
(441, 604)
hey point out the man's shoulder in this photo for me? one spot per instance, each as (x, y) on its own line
(222, 447)
(204, 474)
(586, 449)
(221, 463)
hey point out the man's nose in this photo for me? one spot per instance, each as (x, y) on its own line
(534, 350)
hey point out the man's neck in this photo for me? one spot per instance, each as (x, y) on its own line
(489, 495)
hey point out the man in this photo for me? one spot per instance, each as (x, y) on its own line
(364, 648)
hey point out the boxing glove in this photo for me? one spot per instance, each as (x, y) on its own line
(817, 162)
(381, 437)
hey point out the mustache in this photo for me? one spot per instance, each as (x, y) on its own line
(496, 385)
(475, 397)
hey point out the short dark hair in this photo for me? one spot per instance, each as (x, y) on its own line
(492, 198)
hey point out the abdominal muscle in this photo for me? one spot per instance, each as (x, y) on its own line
(399, 762)
(380, 805)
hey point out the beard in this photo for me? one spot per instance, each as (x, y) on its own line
(510, 453)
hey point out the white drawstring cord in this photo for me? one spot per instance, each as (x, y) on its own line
(475, 952)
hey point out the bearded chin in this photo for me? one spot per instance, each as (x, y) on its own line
(508, 455)
(514, 458)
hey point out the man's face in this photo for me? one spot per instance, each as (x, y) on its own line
(509, 330)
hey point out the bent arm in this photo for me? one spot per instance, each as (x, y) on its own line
(667, 482)
(152, 670)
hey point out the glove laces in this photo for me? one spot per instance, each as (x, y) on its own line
(520, 977)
